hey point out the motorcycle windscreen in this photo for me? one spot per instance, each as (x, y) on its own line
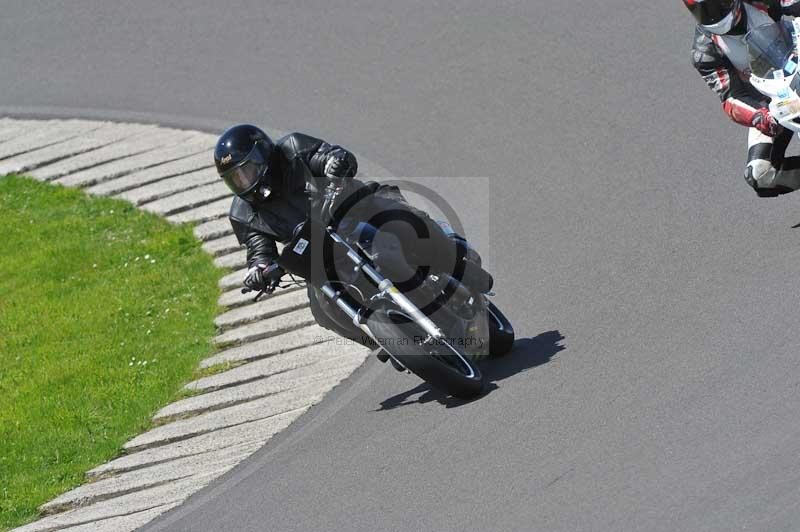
(770, 48)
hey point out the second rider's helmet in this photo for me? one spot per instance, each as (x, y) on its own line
(242, 156)
(715, 16)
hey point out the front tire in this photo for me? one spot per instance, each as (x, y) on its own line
(439, 363)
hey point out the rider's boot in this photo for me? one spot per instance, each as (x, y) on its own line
(477, 278)
(767, 181)
(474, 276)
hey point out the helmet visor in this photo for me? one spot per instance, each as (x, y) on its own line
(242, 179)
(716, 16)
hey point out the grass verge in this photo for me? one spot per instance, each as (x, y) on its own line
(104, 313)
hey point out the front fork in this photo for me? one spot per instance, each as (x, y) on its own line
(386, 288)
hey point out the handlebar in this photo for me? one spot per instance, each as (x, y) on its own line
(260, 293)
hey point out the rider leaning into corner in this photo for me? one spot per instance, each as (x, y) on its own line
(720, 56)
(276, 185)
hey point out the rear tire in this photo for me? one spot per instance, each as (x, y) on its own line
(441, 364)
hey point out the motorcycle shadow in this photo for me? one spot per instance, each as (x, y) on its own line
(526, 354)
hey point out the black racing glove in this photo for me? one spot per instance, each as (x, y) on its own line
(264, 278)
(341, 165)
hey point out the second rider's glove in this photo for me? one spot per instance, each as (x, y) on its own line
(764, 122)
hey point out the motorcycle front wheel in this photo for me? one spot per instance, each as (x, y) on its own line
(438, 362)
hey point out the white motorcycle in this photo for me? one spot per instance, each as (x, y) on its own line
(773, 57)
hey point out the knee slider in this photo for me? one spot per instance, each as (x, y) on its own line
(760, 174)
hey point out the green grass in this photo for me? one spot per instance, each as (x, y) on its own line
(104, 313)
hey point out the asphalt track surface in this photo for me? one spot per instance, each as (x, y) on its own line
(655, 382)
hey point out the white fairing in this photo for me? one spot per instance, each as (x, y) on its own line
(784, 103)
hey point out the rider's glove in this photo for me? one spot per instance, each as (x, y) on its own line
(260, 277)
(273, 276)
(764, 122)
(341, 165)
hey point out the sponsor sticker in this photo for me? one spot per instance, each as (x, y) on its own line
(301, 246)
(788, 107)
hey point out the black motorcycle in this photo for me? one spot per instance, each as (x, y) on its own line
(439, 333)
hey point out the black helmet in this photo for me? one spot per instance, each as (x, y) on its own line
(715, 16)
(242, 156)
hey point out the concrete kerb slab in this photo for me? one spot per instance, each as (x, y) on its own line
(323, 375)
(173, 146)
(204, 213)
(167, 187)
(296, 339)
(128, 521)
(98, 138)
(143, 138)
(223, 245)
(234, 260)
(281, 364)
(57, 132)
(263, 309)
(14, 128)
(184, 201)
(213, 230)
(151, 175)
(274, 405)
(259, 430)
(265, 328)
(140, 508)
(129, 482)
